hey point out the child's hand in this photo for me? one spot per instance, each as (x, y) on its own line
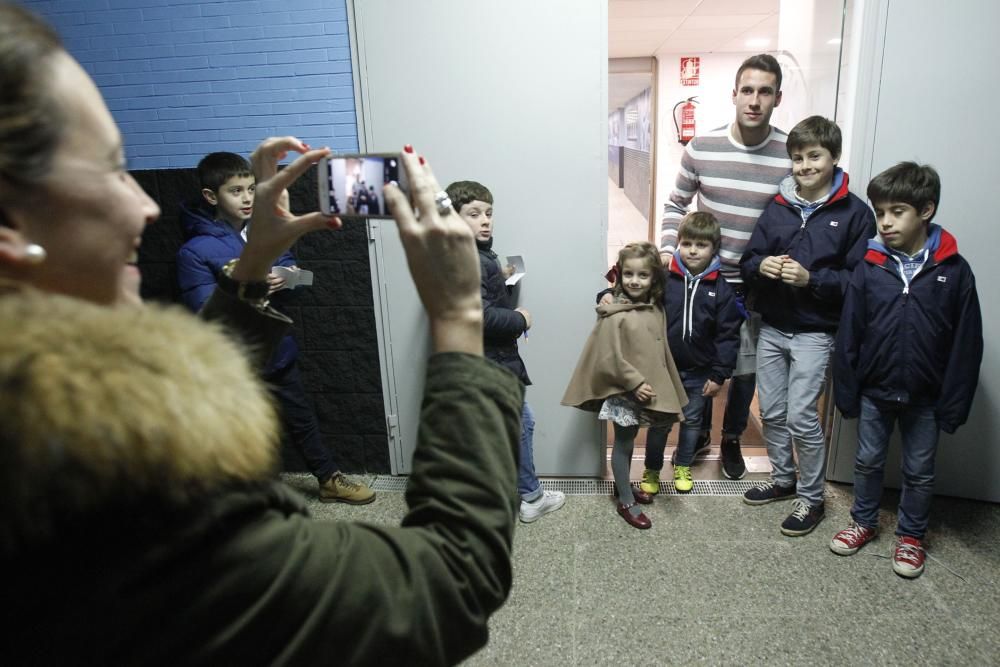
(526, 315)
(606, 299)
(644, 393)
(770, 267)
(710, 389)
(793, 273)
(274, 283)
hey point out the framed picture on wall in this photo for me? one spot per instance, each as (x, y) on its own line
(632, 123)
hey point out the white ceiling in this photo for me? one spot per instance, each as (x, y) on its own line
(650, 27)
(643, 28)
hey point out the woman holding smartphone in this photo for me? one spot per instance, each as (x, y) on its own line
(141, 514)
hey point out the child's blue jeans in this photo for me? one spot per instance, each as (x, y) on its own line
(920, 432)
(656, 436)
(528, 486)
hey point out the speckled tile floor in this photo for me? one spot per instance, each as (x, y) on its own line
(714, 582)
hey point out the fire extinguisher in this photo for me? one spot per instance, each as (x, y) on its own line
(686, 128)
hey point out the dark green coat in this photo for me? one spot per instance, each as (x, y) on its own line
(137, 545)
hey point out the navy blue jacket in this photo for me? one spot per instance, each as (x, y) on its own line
(210, 245)
(703, 323)
(829, 245)
(918, 346)
(501, 323)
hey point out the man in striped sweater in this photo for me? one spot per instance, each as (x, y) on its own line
(735, 171)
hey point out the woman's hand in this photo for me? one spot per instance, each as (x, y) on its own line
(443, 260)
(273, 228)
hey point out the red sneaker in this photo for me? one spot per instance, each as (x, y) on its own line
(849, 540)
(908, 557)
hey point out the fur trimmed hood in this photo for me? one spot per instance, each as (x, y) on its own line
(102, 407)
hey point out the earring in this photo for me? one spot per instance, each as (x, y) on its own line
(34, 253)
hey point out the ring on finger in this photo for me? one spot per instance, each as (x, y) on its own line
(443, 202)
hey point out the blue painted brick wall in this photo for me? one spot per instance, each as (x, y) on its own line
(187, 77)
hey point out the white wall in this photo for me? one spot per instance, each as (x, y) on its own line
(714, 108)
(933, 99)
(514, 95)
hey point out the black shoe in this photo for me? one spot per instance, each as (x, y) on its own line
(768, 492)
(733, 465)
(803, 519)
(702, 447)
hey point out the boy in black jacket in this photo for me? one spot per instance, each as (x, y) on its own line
(796, 267)
(703, 327)
(503, 324)
(909, 350)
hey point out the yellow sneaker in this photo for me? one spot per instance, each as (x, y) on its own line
(682, 479)
(650, 481)
(342, 489)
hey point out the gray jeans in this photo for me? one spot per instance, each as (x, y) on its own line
(791, 373)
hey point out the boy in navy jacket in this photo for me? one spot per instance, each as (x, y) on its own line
(215, 226)
(796, 267)
(703, 327)
(909, 349)
(503, 324)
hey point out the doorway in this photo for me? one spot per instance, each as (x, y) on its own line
(805, 36)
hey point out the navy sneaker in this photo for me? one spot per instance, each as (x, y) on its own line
(702, 447)
(803, 519)
(768, 492)
(733, 465)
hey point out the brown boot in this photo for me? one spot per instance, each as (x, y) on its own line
(342, 489)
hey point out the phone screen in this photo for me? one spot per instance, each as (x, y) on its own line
(355, 184)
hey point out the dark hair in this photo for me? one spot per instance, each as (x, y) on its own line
(217, 168)
(700, 226)
(650, 253)
(815, 130)
(907, 182)
(765, 62)
(463, 192)
(31, 121)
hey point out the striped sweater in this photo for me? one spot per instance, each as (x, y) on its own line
(734, 183)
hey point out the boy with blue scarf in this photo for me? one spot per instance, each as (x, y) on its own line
(908, 350)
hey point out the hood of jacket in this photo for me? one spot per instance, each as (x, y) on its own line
(940, 244)
(120, 407)
(787, 195)
(198, 220)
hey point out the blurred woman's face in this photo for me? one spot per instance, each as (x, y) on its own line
(90, 213)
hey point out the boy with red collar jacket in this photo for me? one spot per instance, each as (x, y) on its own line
(703, 322)
(908, 351)
(911, 342)
(796, 266)
(827, 239)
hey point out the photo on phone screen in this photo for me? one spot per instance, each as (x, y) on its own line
(355, 183)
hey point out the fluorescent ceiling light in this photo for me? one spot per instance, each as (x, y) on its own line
(757, 43)
(835, 40)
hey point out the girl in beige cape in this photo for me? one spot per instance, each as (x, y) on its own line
(626, 373)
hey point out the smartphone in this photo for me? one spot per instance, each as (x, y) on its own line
(351, 186)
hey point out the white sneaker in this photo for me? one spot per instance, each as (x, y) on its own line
(549, 501)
